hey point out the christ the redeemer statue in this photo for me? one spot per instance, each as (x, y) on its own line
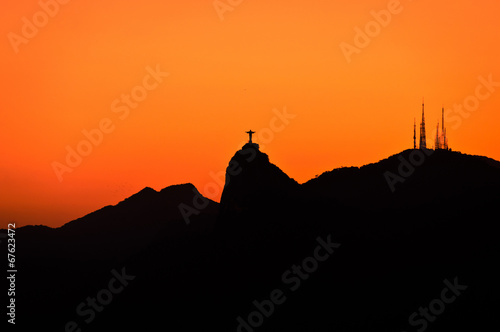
(250, 133)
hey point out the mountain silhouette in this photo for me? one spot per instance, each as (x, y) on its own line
(441, 175)
(400, 228)
(113, 230)
(252, 181)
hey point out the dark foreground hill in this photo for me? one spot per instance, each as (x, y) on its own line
(405, 244)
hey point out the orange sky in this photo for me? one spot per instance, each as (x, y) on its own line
(229, 71)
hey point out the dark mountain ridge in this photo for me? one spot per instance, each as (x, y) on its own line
(440, 175)
(397, 246)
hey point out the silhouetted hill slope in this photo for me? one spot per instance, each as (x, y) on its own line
(249, 176)
(62, 266)
(397, 245)
(152, 207)
(406, 180)
(123, 228)
(394, 250)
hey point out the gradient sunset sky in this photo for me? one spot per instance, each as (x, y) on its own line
(232, 66)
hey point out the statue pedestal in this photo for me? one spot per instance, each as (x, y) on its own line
(251, 145)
